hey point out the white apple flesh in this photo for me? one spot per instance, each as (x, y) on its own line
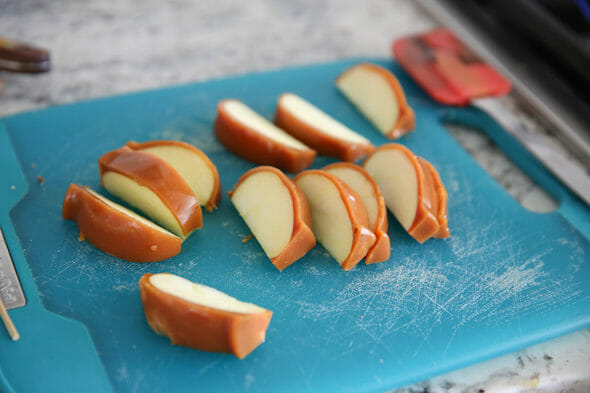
(201, 294)
(318, 130)
(267, 208)
(378, 95)
(276, 212)
(398, 181)
(256, 122)
(142, 198)
(252, 137)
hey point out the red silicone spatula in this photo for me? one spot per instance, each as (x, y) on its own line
(453, 75)
(446, 69)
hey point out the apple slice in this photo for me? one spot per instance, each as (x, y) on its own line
(192, 164)
(252, 137)
(406, 190)
(442, 199)
(116, 230)
(153, 186)
(363, 184)
(276, 212)
(318, 130)
(201, 317)
(339, 217)
(378, 95)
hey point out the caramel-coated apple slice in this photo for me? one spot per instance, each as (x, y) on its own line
(363, 184)
(201, 317)
(254, 138)
(339, 217)
(442, 199)
(407, 192)
(318, 130)
(153, 186)
(378, 95)
(116, 230)
(192, 164)
(276, 212)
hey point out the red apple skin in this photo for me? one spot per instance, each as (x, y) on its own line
(302, 238)
(406, 121)
(425, 224)
(114, 232)
(201, 327)
(256, 148)
(160, 177)
(362, 237)
(381, 250)
(324, 144)
(216, 194)
(442, 199)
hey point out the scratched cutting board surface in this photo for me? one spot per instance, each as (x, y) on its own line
(507, 278)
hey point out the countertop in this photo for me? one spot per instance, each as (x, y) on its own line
(103, 48)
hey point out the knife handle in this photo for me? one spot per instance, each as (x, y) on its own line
(20, 57)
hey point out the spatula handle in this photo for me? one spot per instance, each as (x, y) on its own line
(568, 171)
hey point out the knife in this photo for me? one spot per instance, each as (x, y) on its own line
(454, 75)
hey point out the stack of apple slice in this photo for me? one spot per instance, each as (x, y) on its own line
(363, 184)
(166, 180)
(339, 217)
(412, 190)
(287, 216)
(343, 205)
(152, 186)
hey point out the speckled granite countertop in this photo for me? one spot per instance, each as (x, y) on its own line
(103, 48)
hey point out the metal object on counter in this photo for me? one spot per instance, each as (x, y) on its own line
(11, 293)
(568, 171)
(545, 107)
(20, 57)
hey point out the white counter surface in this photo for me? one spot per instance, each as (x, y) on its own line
(101, 48)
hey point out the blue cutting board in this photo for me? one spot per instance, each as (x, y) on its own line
(507, 278)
